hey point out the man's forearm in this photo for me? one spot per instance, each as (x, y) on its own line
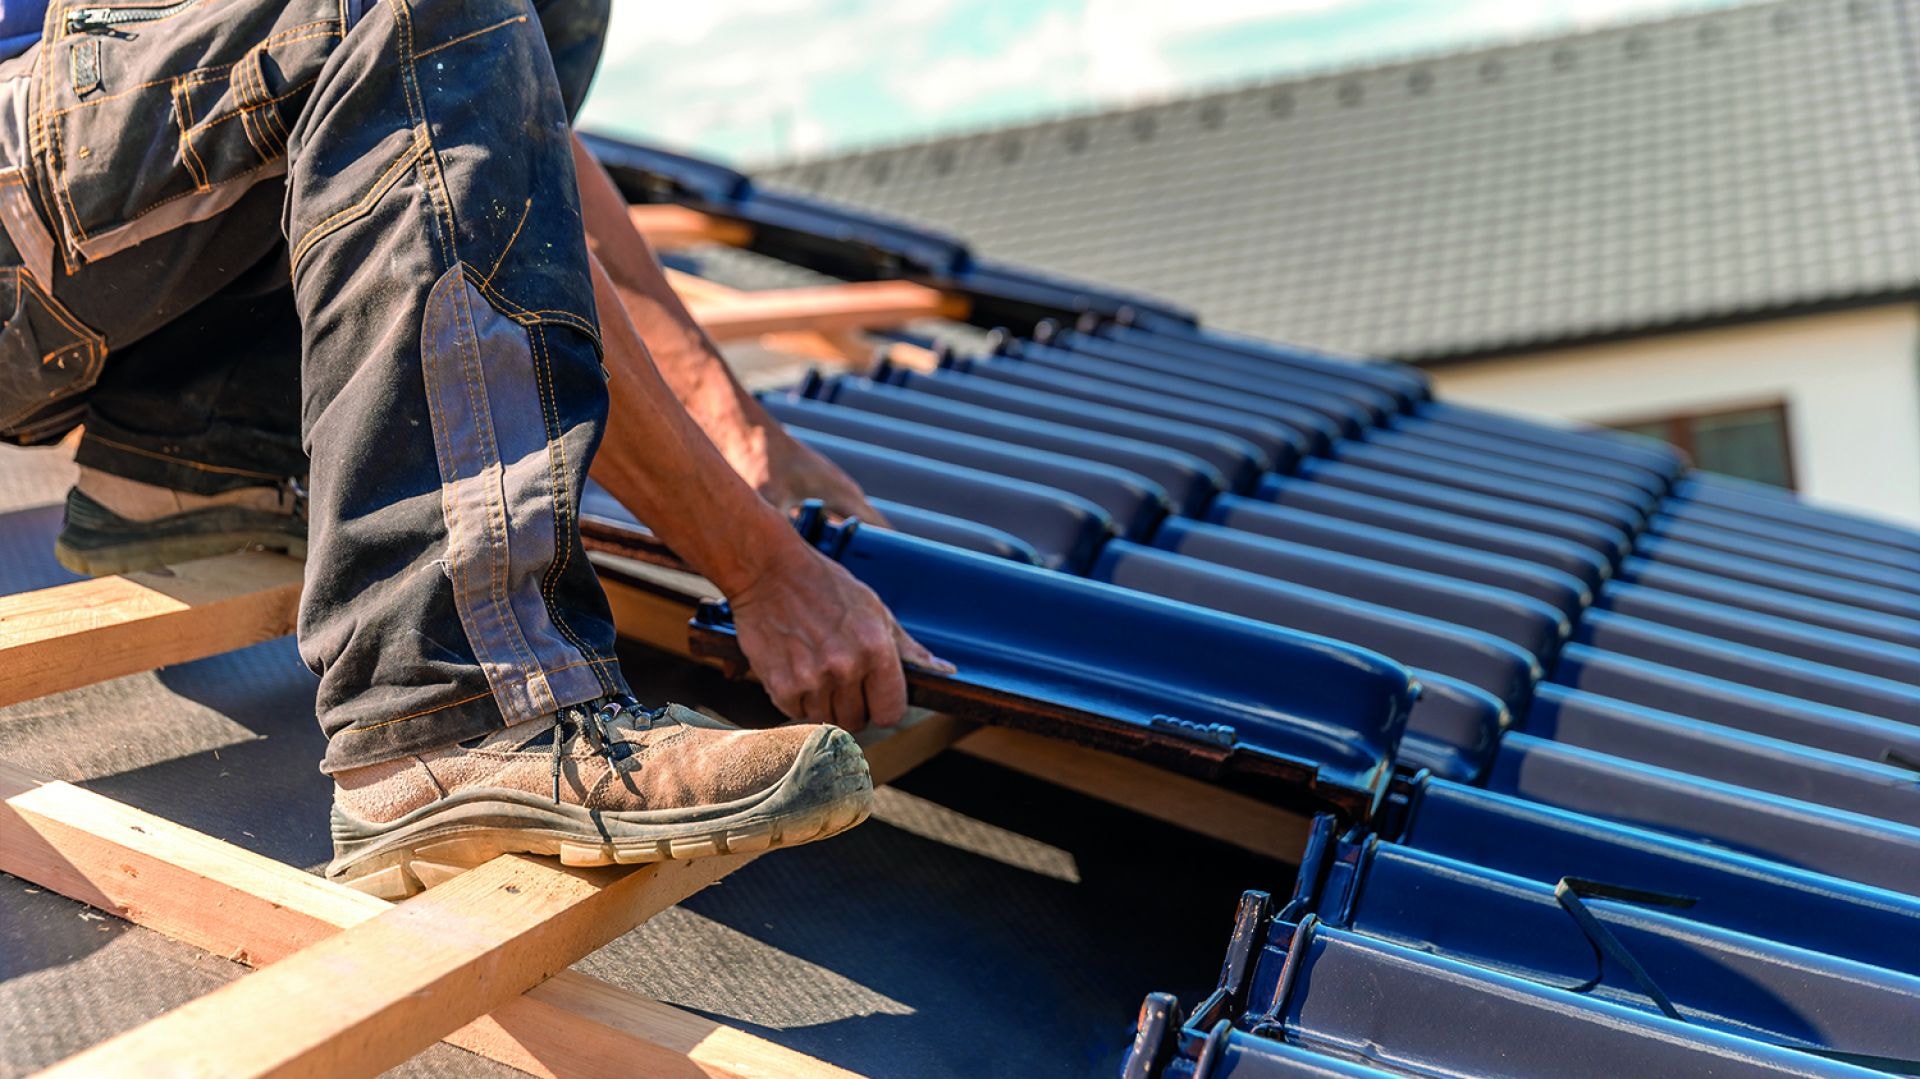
(679, 441)
(685, 357)
(660, 465)
(784, 471)
(822, 643)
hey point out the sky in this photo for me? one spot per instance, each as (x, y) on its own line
(754, 81)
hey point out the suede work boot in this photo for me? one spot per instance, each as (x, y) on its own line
(117, 525)
(598, 786)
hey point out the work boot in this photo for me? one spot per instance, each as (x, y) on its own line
(596, 786)
(118, 525)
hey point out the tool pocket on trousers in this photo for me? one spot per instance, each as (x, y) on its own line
(48, 360)
(230, 119)
(160, 123)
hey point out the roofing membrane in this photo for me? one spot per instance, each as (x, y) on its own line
(1618, 762)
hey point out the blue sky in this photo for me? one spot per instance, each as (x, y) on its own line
(758, 80)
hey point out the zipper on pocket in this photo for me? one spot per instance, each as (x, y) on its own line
(96, 19)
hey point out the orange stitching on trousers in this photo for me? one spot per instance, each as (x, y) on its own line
(291, 91)
(201, 75)
(183, 115)
(475, 379)
(361, 729)
(96, 356)
(105, 441)
(256, 75)
(362, 206)
(470, 36)
(525, 212)
(276, 124)
(66, 318)
(247, 119)
(189, 79)
(66, 187)
(433, 176)
(273, 167)
(557, 474)
(526, 318)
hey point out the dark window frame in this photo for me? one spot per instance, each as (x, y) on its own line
(1678, 428)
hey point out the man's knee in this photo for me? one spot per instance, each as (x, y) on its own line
(576, 32)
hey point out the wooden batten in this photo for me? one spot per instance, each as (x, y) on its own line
(1179, 800)
(397, 982)
(254, 910)
(845, 348)
(667, 227)
(913, 357)
(76, 634)
(470, 946)
(656, 616)
(696, 291)
(519, 921)
(825, 308)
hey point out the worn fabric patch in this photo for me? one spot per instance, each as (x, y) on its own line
(490, 436)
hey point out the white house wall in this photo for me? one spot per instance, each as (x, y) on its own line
(1850, 381)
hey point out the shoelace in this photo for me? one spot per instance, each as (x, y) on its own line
(598, 723)
(293, 490)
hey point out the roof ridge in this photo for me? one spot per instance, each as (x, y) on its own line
(1700, 11)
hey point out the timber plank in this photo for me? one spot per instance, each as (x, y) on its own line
(853, 306)
(842, 348)
(254, 910)
(371, 996)
(472, 946)
(913, 357)
(654, 618)
(73, 635)
(694, 290)
(1183, 801)
(667, 227)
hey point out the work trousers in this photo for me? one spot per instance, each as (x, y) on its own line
(335, 242)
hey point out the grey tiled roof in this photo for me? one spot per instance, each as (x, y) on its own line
(1695, 169)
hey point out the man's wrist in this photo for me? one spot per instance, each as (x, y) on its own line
(767, 547)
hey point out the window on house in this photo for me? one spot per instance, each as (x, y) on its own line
(1750, 443)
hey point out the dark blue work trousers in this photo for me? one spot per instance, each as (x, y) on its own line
(336, 241)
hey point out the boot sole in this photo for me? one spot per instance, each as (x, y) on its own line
(137, 555)
(827, 791)
(98, 542)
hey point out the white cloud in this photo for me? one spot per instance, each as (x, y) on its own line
(1047, 62)
(755, 79)
(709, 75)
(1159, 18)
(638, 26)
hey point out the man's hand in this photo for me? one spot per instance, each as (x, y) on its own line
(824, 646)
(682, 435)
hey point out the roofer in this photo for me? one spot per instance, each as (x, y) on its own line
(175, 178)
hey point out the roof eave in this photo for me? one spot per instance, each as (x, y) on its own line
(1474, 352)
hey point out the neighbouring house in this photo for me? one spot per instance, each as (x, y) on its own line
(1705, 228)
